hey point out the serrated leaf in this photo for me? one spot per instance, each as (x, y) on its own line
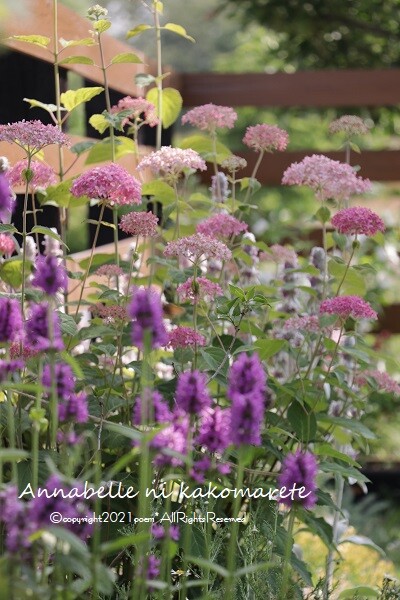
(50, 108)
(102, 151)
(68, 325)
(77, 60)
(137, 30)
(49, 232)
(101, 25)
(126, 57)
(37, 40)
(171, 104)
(73, 98)
(203, 145)
(161, 191)
(82, 42)
(179, 30)
(303, 421)
(99, 123)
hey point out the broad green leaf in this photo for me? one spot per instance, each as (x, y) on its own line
(11, 271)
(126, 57)
(358, 592)
(57, 195)
(81, 147)
(267, 348)
(303, 421)
(203, 145)
(351, 424)
(323, 214)
(82, 42)
(99, 122)
(102, 25)
(77, 60)
(362, 540)
(137, 30)
(354, 282)
(68, 325)
(144, 79)
(50, 108)
(179, 30)
(328, 450)
(37, 40)
(73, 98)
(346, 471)
(171, 104)
(161, 191)
(5, 228)
(102, 151)
(49, 232)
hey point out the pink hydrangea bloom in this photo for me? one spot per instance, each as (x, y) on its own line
(357, 220)
(349, 124)
(109, 271)
(280, 254)
(234, 163)
(7, 244)
(32, 135)
(169, 163)
(209, 117)
(198, 246)
(110, 182)
(110, 312)
(266, 138)
(139, 223)
(185, 337)
(140, 109)
(348, 306)
(308, 323)
(43, 174)
(330, 179)
(382, 379)
(201, 288)
(221, 225)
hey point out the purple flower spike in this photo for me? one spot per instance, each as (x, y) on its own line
(147, 314)
(75, 408)
(214, 429)
(6, 200)
(301, 469)
(37, 330)
(191, 392)
(160, 409)
(50, 275)
(64, 377)
(10, 320)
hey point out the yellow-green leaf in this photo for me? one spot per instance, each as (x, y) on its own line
(73, 98)
(77, 60)
(50, 108)
(49, 232)
(37, 40)
(102, 151)
(126, 57)
(137, 30)
(203, 145)
(82, 42)
(99, 122)
(171, 104)
(102, 25)
(179, 30)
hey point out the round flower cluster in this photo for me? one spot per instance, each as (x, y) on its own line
(382, 379)
(185, 337)
(196, 246)
(139, 108)
(110, 312)
(111, 182)
(348, 306)
(200, 288)
(169, 163)
(308, 323)
(139, 223)
(266, 138)
(109, 271)
(33, 135)
(234, 163)
(357, 220)
(330, 179)
(349, 124)
(221, 225)
(7, 244)
(209, 117)
(41, 177)
(280, 254)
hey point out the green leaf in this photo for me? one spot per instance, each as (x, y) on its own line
(213, 357)
(171, 104)
(6, 228)
(137, 30)
(123, 542)
(128, 432)
(354, 282)
(60, 195)
(345, 471)
(11, 271)
(50, 108)
(73, 98)
(102, 25)
(323, 214)
(203, 145)
(99, 122)
(82, 147)
(350, 424)
(179, 30)
(49, 232)
(68, 325)
(102, 151)
(161, 191)
(68, 358)
(362, 540)
(328, 450)
(267, 348)
(12, 455)
(82, 42)
(303, 421)
(77, 60)
(358, 592)
(209, 565)
(126, 57)
(37, 40)
(144, 79)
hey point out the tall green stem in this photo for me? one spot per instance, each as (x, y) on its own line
(159, 75)
(232, 549)
(288, 551)
(339, 480)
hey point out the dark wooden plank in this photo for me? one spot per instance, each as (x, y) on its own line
(327, 88)
(377, 165)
